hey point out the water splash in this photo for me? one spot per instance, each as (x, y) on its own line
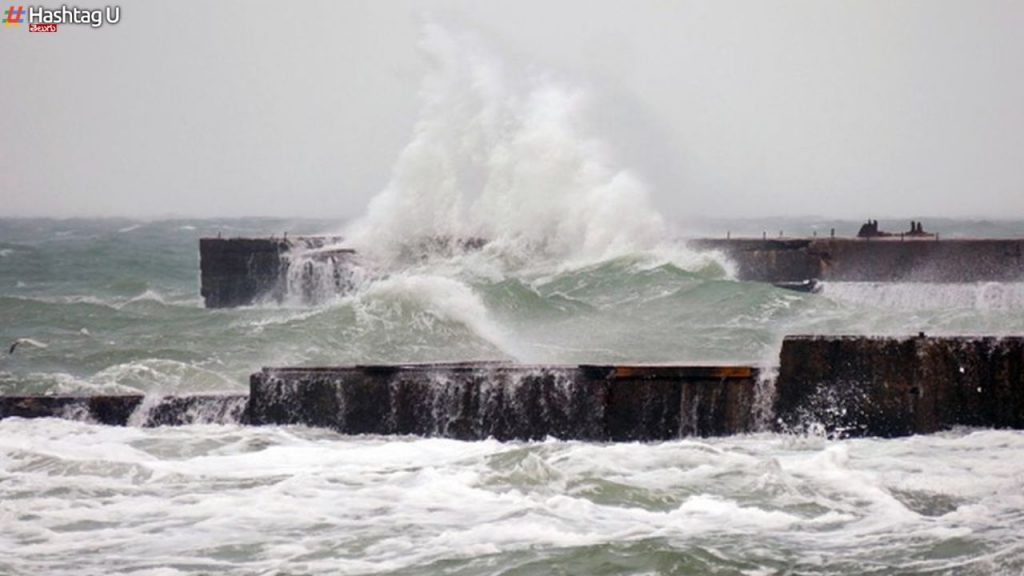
(510, 160)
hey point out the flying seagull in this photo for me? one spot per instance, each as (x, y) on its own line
(26, 342)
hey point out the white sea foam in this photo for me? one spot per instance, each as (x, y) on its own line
(982, 296)
(443, 298)
(232, 500)
(162, 376)
(149, 295)
(60, 383)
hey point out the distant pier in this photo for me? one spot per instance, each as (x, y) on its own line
(244, 271)
(887, 259)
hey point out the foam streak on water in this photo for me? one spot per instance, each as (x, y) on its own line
(82, 499)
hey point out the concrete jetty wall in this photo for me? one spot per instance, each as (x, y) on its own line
(844, 385)
(474, 400)
(872, 386)
(889, 259)
(238, 271)
(120, 410)
(242, 271)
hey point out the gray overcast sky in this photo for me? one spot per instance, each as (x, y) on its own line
(748, 108)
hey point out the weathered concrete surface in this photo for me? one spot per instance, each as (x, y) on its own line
(873, 259)
(860, 386)
(243, 271)
(849, 385)
(238, 271)
(480, 400)
(120, 410)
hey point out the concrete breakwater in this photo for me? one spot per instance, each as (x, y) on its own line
(864, 386)
(843, 385)
(125, 409)
(243, 271)
(891, 259)
(504, 401)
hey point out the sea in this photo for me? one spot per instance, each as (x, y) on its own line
(113, 306)
(585, 261)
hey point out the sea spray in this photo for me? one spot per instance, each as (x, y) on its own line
(509, 160)
(502, 180)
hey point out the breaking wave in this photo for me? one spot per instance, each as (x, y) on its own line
(508, 161)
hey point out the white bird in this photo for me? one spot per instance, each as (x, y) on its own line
(26, 342)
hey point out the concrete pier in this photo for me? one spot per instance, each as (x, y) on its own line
(871, 386)
(843, 385)
(120, 410)
(891, 259)
(504, 401)
(242, 271)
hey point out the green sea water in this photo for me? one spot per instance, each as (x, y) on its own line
(116, 305)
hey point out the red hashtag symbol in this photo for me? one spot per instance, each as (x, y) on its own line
(13, 16)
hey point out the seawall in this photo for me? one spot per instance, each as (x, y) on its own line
(873, 386)
(506, 401)
(842, 385)
(889, 259)
(243, 271)
(124, 409)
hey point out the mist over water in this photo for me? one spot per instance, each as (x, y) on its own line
(578, 267)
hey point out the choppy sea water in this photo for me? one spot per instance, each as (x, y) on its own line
(116, 304)
(81, 499)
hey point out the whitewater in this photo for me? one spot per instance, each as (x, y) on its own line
(579, 266)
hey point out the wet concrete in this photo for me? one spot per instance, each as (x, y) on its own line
(479, 400)
(842, 385)
(874, 386)
(243, 271)
(892, 259)
(121, 410)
